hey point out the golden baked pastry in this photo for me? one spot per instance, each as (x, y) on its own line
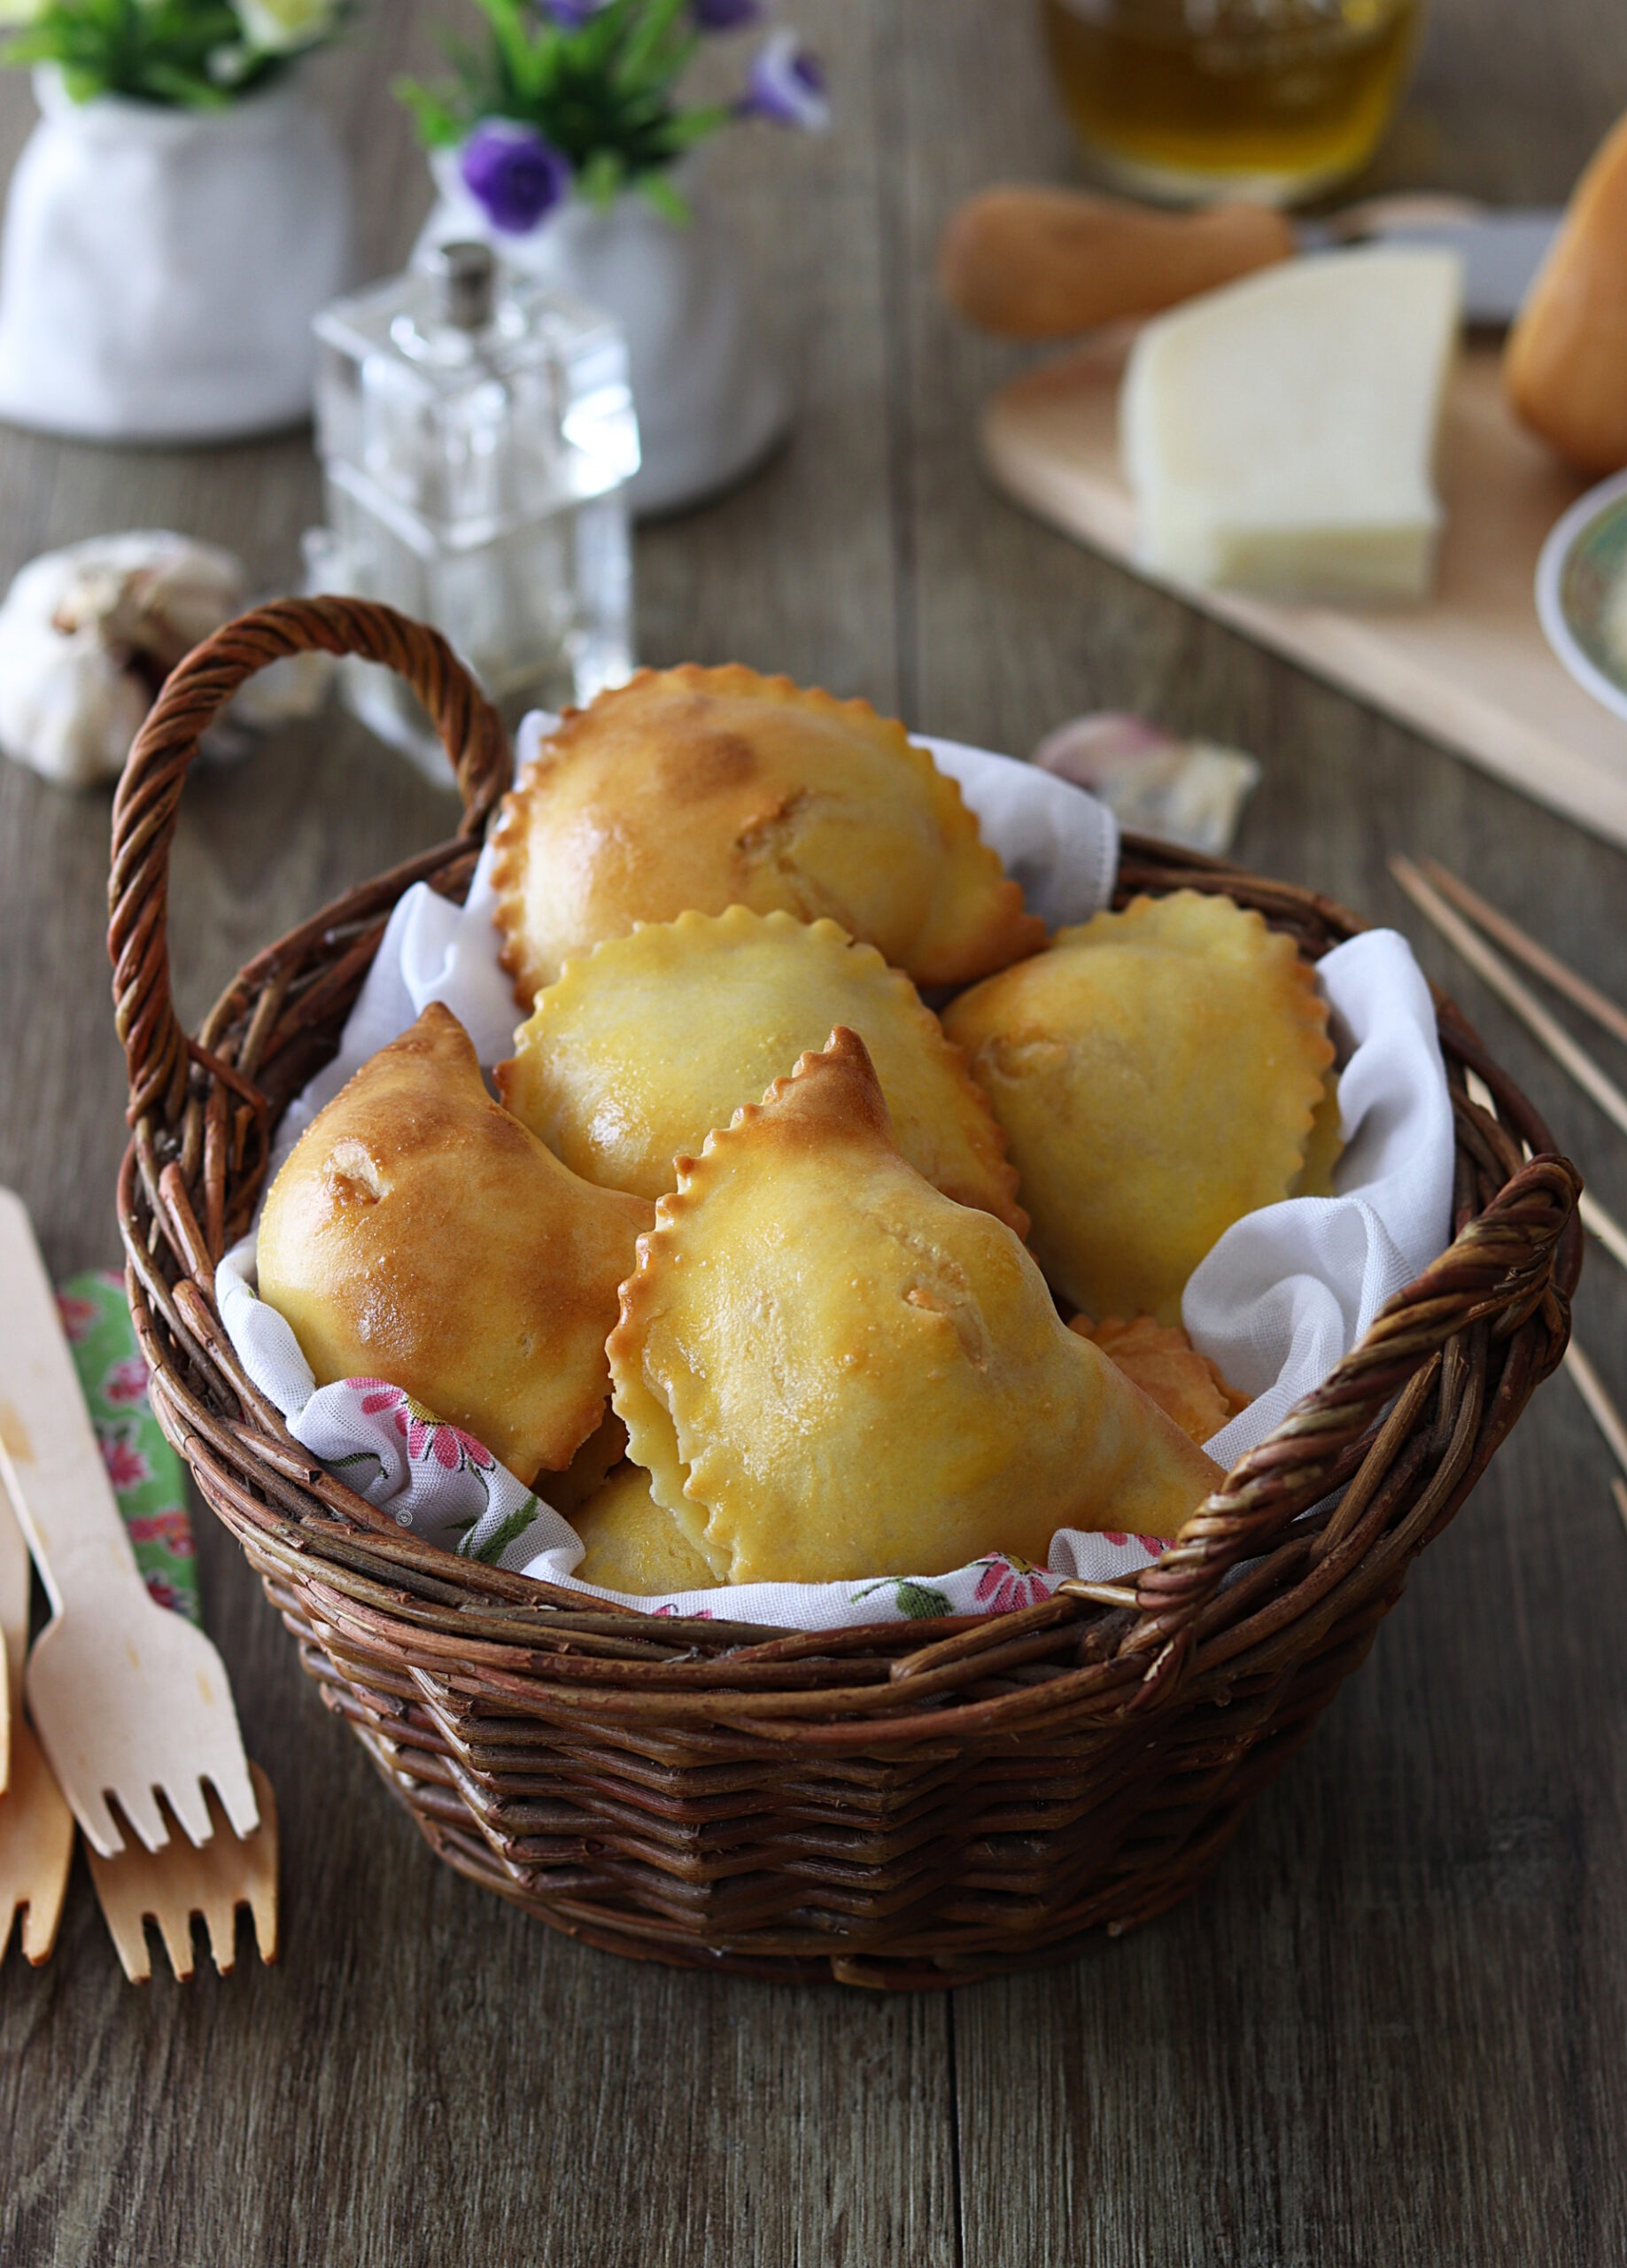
(1563, 362)
(1324, 1144)
(420, 1233)
(634, 1544)
(1156, 1072)
(599, 1455)
(695, 790)
(1163, 1361)
(645, 1046)
(830, 1370)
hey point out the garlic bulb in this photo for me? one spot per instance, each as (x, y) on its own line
(87, 635)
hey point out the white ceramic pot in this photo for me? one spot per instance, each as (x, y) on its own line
(159, 268)
(710, 403)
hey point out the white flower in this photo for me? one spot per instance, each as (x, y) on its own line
(278, 26)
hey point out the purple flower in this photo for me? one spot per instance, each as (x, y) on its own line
(570, 15)
(786, 85)
(515, 175)
(725, 15)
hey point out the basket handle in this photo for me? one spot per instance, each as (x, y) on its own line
(157, 1050)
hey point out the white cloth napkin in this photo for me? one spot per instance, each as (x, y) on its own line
(1284, 1293)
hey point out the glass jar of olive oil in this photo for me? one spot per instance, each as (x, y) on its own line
(1271, 99)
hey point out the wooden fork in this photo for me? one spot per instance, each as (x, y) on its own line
(36, 1827)
(172, 1886)
(128, 1700)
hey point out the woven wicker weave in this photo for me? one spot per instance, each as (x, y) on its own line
(900, 1806)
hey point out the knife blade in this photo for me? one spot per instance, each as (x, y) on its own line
(1501, 250)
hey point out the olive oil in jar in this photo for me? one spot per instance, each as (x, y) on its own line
(1266, 98)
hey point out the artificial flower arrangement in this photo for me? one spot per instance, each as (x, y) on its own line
(583, 96)
(195, 54)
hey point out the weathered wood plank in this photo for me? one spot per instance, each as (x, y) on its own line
(427, 2073)
(1390, 2029)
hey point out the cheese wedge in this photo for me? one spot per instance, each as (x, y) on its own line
(1279, 433)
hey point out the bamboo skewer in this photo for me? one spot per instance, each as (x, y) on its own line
(1605, 1414)
(1605, 1226)
(1548, 965)
(1431, 895)
(1491, 968)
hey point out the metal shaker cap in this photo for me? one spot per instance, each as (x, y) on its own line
(465, 273)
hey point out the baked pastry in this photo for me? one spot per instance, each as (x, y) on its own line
(634, 1544)
(1164, 1364)
(1563, 365)
(1324, 1144)
(1156, 1072)
(584, 1476)
(419, 1233)
(830, 1370)
(654, 1039)
(695, 789)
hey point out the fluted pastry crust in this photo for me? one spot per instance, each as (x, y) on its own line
(419, 1233)
(693, 790)
(829, 1369)
(1156, 1073)
(652, 1041)
(1163, 1361)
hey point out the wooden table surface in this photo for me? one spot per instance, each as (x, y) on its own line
(1394, 2028)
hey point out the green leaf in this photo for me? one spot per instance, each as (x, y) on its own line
(432, 116)
(656, 189)
(492, 1550)
(922, 1601)
(685, 128)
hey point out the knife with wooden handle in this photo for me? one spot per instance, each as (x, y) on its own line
(1048, 263)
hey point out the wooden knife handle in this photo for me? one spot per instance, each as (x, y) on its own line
(1045, 264)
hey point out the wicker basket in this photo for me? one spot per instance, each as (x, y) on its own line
(894, 1807)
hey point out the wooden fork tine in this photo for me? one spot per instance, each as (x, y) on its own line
(171, 1886)
(36, 1846)
(36, 1827)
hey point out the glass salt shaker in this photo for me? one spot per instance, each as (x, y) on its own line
(476, 433)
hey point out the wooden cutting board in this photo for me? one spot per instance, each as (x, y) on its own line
(1470, 667)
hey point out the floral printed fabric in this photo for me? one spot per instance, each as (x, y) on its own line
(148, 1478)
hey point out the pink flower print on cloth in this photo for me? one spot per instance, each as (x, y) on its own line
(427, 1474)
(78, 1316)
(125, 1384)
(1006, 1583)
(426, 1435)
(126, 1465)
(146, 1473)
(171, 1529)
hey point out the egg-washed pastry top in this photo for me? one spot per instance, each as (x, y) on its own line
(1158, 1073)
(828, 1369)
(654, 1040)
(419, 1233)
(693, 790)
